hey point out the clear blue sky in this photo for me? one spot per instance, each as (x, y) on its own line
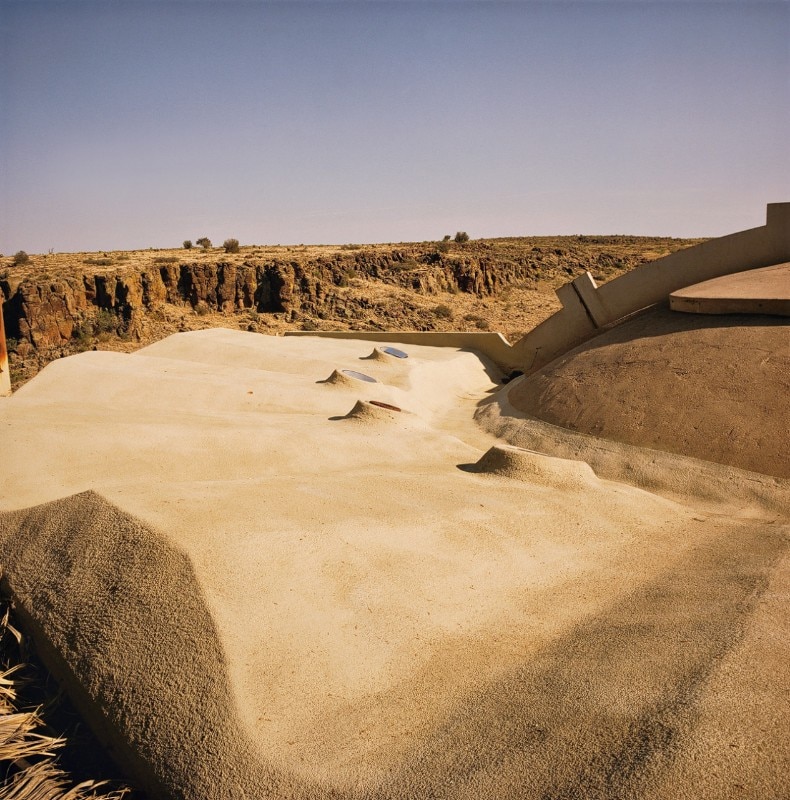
(127, 124)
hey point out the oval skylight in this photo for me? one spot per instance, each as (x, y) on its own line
(360, 376)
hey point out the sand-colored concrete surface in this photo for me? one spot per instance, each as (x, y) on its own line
(711, 387)
(756, 291)
(260, 581)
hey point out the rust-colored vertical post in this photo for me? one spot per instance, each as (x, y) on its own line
(5, 372)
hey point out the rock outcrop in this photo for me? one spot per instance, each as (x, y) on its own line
(42, 311)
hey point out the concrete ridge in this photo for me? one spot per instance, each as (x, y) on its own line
(90, 581)
(757, 291)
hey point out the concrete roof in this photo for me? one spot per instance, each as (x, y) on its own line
(756, 291)
(255, 582)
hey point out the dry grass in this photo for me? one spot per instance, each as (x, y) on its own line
(549, 247)
(29, 751)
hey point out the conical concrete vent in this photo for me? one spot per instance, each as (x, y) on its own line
(537, 468)
(387, 355)
(374, 411)
(348, 378)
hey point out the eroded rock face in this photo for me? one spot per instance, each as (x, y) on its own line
(46, 312)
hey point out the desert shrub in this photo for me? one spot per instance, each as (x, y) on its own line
(231, 245)
(461, 237)
(203, 242)
(350, 246)
(165, 259)
(443, 246)
(97, 262)
(83, 334)
(446, 237)
(480, 322)
(404, 266)
(443, 311)
(345, 278)
(106, 321)
(21, 257)
(187, 244)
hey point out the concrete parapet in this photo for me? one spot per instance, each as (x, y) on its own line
(588, 308)
(493, 345)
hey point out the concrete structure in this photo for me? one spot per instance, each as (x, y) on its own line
(5, 373)
(255, 583)
(758, 291)
(588, 309)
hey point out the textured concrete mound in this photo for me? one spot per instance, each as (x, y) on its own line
(99, 589)
(711, 387)
(389, 355)
(250, 594)
(378, 411)
(536, 468)
(349, 378)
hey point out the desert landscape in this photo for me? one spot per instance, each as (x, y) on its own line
(394, 556)
(394, 400)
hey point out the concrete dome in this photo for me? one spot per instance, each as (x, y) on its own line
(712, 387)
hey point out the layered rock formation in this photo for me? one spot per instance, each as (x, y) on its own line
(49, 306)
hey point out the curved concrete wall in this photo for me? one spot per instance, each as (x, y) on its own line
(588, 308)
